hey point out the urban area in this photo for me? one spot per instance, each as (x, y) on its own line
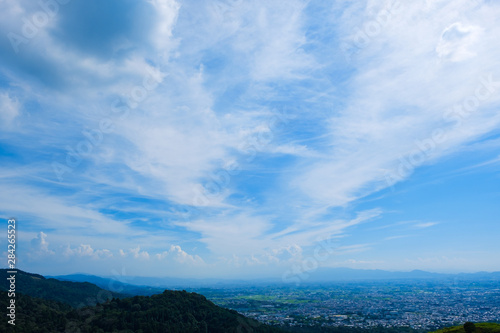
(421, 305)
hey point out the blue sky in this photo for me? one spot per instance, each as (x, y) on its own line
(236, 139)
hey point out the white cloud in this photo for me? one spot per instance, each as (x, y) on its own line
(239, 235)
(177, 254)
(395, 237)
(279, 55)
(279, 256)
(356, 248)
(9, 109)
(425, 225)
(56, 212)
(85, 250)
(400, 94)
(40, 245)
(247, 236)
(179, 148)
(167, 11)
(458, 42)
(221, 68)
(138, 254)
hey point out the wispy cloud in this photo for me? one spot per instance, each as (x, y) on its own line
(244, 130)
(425, 225)
(396, 237)
(10, 108)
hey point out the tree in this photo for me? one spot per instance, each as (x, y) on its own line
(469, 327)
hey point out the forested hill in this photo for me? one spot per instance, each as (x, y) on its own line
(171, 311)
(76, 294)
(34, 314)
(49, 305)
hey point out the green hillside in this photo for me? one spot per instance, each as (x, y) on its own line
(480, 328)
(76, 294)
(49, 305)
(35, 315)
(171, 311)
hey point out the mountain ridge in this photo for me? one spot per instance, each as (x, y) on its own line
(51, 305)
(76, 294)
(319, 275)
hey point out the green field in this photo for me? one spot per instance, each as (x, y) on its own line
(276, 299)
(480, 328)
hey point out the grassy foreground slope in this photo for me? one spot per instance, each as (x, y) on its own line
(480, 328)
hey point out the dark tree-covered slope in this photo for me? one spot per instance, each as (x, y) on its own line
(76, 294)
(34, 314)
(50, 305)
(171, 311)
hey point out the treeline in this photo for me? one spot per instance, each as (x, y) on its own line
(171, 311)
(34, 315)
(76, 294)
(50, 305)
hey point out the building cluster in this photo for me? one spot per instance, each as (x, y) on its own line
(419, 305)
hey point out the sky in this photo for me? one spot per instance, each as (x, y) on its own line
(237, 139)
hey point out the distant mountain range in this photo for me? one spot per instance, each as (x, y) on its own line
(349, 274)
(114, 284)
(150, 285)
